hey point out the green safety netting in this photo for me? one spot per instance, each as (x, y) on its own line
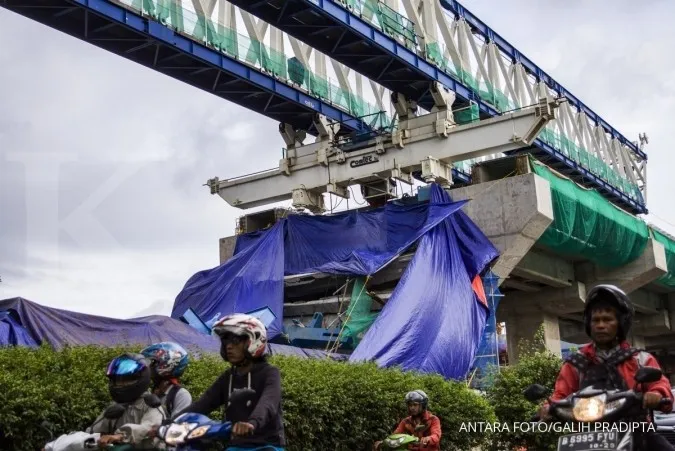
(590, 162)
(668, 279)
(359, 317)
(384, 18)
(435, 53)
(586, 225)
(257, 54)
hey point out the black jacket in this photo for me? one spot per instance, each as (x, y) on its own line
(264, 413)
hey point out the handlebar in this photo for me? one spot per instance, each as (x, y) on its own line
(633, 400)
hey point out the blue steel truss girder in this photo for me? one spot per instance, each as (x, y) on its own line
(151, 44)
(140, 39)
(330, 28)
(509, 50)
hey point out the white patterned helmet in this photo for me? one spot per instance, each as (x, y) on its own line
(244, 325)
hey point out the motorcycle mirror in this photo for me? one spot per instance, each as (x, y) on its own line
(242, 395)
(535, 392)
(152, 400)
(114, 411)
(648, 374)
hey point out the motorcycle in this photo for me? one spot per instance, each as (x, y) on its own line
(401, 442)
(398, 442)
(83, 440)
(193, 431)
(592, 406)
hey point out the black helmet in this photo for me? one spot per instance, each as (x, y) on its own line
(128, 377)
(615, 297)
(417, 396)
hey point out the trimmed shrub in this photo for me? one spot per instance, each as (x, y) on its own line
(327, 405)
(536, 365)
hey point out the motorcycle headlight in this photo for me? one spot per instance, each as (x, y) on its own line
(590, 409)
(177, 433)
(199, 432)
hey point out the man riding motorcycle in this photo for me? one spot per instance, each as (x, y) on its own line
(168, 362)
(421, 423)
(609, 362)
(128, 382)
(258, 423)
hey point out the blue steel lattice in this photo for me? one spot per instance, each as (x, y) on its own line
(487, 357)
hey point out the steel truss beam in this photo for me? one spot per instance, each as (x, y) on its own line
(416, 41)
(428, 143)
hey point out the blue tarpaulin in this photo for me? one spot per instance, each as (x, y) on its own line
(433, 322)
(12, 333)
(39, 324)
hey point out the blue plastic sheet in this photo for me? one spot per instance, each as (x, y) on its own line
(352, 242)
(487, 357)
(253, 278)
(39, 324)
(12, 333)
(433, 321)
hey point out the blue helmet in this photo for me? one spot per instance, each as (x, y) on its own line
(128, 377)
(169, 360)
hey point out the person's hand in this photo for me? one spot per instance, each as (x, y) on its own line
(651, 400)
(425, 441)
(106, 440)
(376, 445)
(152, 433)
(544, 413)
(242, 428)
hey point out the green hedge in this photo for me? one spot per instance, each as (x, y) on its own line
(536, 365)
(327, 405)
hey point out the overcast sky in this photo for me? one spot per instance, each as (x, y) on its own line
(102, 161)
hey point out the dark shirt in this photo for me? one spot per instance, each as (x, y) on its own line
(264, 413)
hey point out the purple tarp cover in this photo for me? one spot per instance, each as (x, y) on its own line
(38, 324)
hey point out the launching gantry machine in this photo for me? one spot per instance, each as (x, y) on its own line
(420, 146)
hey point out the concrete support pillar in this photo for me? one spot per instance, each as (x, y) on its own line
(227, 246)
(512, 212)
(525, 326)
(647, 268)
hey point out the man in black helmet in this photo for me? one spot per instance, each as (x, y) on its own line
(421, 423)
(609, 361)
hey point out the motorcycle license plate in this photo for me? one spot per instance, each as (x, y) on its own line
(589, 441)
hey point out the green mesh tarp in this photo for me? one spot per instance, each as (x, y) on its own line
(258, 54)
(359, 317)
(587, 225)
(667, 279)
(467, 115)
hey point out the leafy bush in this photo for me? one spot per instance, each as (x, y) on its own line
(536, 365)
(327, 405)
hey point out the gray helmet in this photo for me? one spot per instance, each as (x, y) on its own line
(417, 396)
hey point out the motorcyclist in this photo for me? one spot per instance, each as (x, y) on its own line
(168, 362)
(609, 361)
(259, 423)
(128, 382)
(421, 423)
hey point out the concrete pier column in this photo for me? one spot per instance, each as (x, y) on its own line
(647, 268)
(523, 319)
(512, 212)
